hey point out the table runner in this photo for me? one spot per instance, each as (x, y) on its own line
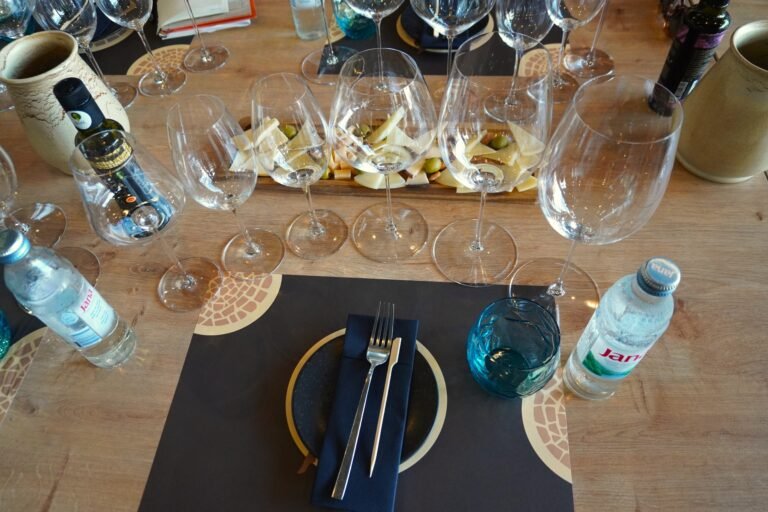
(226, 445)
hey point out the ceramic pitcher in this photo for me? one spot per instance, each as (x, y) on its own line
(31, 66)
(725, 134)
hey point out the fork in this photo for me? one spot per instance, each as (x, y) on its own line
(379, 346)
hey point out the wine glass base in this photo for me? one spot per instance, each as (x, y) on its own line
(455, 258)
(581, 64)
(582, 294)
(42, 223)
(303, 240)
(244, 264)
(175, 78)
(83, 260)
(124, 92)
(316, 68)
(191, 288)
(564, 86)
(517, 107)
(6, 102)
(374, 239)
(196, 62)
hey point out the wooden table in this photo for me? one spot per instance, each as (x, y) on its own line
(688, 430)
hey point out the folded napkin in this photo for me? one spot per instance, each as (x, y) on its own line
(425, 37)
(363, 493)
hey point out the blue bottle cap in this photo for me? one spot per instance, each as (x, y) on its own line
(659, 277)
(13, 246)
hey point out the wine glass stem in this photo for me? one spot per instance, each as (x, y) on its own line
(557, 289)
(391, 227)
(377, 21)
(477, 243)
(204, 53)
(159, 73)
(254, 249)
(560, 57)
(331, 59)
(598, 30)
(188, 281)
(450, 54)
(317, 228)
(511, 94)
(96, 67)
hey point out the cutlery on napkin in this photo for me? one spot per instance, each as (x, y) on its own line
(394, 356)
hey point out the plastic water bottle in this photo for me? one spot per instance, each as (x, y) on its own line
(308, 18)
(56, 293)
(632, 315)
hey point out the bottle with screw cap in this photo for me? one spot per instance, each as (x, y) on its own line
(52, 289)
(632, 315)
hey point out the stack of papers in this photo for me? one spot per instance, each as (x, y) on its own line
(211, 15)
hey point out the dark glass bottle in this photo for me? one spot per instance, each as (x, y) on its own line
(112, 158)
(697, 37)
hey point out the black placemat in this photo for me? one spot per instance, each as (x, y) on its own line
(226, 445)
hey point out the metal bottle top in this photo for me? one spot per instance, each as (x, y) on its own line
(658, 277)
(13, 246)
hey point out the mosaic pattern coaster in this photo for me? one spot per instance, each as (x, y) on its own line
(14, 367)
(170, 56)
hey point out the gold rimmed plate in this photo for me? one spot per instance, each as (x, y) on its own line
(309, 399)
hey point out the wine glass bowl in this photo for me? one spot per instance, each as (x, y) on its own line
(383, 120)
(215, 160)
(294, 150)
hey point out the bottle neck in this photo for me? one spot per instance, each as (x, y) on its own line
(87, 118)
(644, 295)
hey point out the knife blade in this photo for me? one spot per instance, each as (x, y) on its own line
(394, 356)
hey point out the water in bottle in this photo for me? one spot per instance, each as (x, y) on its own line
(55, 292)
(632, 315)
(308, 18)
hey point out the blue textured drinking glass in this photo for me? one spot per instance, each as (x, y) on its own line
(5, 335)
(514, 347)
(354, 25)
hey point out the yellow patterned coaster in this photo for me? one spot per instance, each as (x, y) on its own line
(238, 304)
(547, 427)
(170, 56)
(14, 367)
(535, 62)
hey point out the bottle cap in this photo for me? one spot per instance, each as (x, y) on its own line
(659, 277)
(71, 93)
(13, 246)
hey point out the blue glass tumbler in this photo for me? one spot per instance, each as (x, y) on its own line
(514, 347)
(354, 25)
(5, 335)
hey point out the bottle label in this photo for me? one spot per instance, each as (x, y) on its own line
(694, 51)
(81, 120)
(93, 318)
(611, 363)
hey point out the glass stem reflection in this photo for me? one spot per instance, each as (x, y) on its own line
(598, 30)
(450, 54)
(391, 227)
(377, 21)
(188, 282)
(477, 244)
(205, 55)
(254, 249)
(556, 75)
(511, 95)
(317, 227)
(159, 73)
(557, 289)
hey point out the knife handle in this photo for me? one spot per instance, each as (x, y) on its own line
(392, 362)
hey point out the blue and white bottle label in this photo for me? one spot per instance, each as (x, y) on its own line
(93, 318)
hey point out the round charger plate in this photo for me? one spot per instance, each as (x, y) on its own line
(410, 41)
(309, 399)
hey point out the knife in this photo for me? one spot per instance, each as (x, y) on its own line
(394, 355)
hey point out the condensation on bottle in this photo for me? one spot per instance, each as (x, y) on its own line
(633, 314)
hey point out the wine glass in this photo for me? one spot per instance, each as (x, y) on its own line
(451, 17)
(590, 62)
(283, 105)
(568, 15)
(528, 18)
(208, 56)
(78, 18)
(322, 66)
(488, 155)
(376, 10)
(382, 121)
(130, 198)
(219, 171)
(14, 17)
(42, 223)
(134, 14)
(605, 172)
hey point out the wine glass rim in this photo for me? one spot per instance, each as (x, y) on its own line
(468, 43)
(676, 113)
(7, 161)
(374, 51)
(221, 108)
(285, 76)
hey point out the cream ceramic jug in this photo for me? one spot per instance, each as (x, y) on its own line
(30, 67)
(725, 134)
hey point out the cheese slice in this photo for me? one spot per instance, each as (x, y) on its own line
(526, 162)
(448, 179)
(506, 156)
(479, 150)
(526, 141)
(383, 131)
(417, 179)
(378, 182)
(306, 138)
(399, 138)
(527, 184)
(268, 127)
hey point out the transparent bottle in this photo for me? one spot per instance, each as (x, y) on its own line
(55, 292)
(632, 315)
(308, 18)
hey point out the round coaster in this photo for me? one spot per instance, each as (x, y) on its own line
(111, 39)
(171, 56)
(238, 304)
(410, 41)
(14, 367)
(546, 426)
(533, 62)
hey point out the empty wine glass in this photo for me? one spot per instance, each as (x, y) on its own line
(528, 18)
(208, 56)
(14, 17)
(130, 198)
(78, 18)
(605, 172)
(451, 17)
(134, 14)
(568, 15)
(215, 161)
(382, 121)
(590, 62)
(283, 105)
(322, 66)
(376, 10)
(488, 155)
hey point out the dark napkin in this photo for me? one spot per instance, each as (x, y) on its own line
(424, 35)
(364, 493)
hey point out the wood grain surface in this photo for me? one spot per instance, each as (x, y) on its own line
(687, 431)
